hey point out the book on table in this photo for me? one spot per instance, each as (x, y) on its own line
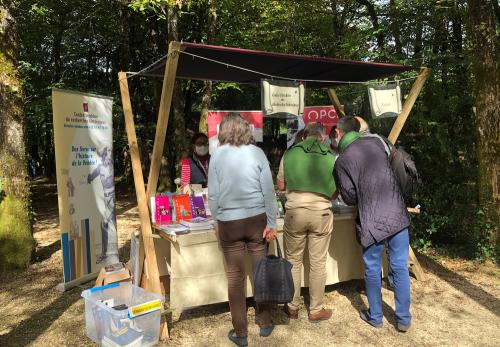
(160, 209)
(198, 207)
(182, 207)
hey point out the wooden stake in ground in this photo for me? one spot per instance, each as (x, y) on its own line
(153, 278)
(393, 137)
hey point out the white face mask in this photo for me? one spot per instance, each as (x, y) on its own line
(201, 150)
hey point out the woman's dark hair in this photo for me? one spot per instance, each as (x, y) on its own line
(197, 136)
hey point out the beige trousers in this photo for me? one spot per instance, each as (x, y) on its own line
(315, 227)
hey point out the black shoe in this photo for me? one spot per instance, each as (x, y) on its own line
(363, 314)
(240, 341)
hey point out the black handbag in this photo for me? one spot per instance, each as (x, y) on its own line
(273, 282)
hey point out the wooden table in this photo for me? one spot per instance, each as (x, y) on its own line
(195, 264)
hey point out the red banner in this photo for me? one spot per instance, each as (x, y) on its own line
(321, 114)
(254, 118)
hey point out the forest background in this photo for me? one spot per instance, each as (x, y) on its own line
(453, 130)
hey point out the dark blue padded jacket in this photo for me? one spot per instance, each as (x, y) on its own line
(364, 177)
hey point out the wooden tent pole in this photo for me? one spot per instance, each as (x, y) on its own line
(336, 102)
(408, 105)
(153, 280)
(163, 115)
(393, 137)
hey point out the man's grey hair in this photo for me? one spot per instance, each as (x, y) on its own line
(314, 130)
(348, 124)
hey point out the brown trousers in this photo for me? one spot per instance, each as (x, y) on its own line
(235, 237)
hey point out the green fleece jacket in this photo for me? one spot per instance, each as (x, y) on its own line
(308, 167)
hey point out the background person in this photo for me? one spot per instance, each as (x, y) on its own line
(307, 174)
(364, 177)
(242, 200)
(194, 168)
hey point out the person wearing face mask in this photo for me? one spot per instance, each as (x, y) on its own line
(307, 175)
(195, 166)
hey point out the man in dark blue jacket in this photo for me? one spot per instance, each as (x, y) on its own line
(365, 178)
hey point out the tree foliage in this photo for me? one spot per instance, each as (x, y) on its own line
(82, 45)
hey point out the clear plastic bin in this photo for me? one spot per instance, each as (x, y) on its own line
(122, 314)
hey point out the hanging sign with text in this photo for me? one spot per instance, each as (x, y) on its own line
(282, 99)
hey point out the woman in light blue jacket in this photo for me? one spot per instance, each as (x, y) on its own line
(243, 203)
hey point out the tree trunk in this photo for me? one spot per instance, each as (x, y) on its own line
(15, 226)
(177, 145)
(483, 26)
(207, 92)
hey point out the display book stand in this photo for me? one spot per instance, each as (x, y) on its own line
(148, 269)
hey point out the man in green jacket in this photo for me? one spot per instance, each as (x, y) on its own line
(306, 172)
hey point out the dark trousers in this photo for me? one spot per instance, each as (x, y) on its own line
(235, 237)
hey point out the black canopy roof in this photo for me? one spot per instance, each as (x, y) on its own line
(219, 63)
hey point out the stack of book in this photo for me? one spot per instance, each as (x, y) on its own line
(174, 229)
(198, 223)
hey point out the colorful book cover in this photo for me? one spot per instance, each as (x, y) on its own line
(182, 207)
(198, 207)
(162, 209)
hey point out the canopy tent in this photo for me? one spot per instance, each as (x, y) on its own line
(228, 64)
(204, 62)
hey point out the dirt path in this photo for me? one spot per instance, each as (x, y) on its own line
(458, 305)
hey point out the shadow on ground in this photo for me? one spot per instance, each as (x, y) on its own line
(476, 293)
(29, 329)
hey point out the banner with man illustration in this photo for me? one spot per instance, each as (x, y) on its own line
(85, 181)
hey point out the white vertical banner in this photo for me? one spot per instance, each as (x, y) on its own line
(83, 137)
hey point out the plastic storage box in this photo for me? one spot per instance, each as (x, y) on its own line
(122, 314)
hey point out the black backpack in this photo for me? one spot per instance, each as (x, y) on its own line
(404, 168)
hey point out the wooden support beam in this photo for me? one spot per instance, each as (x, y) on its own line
(408, 105)
(163, 116)
(393, 137)
(336, 102)
(153, 278)
(414, 266)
